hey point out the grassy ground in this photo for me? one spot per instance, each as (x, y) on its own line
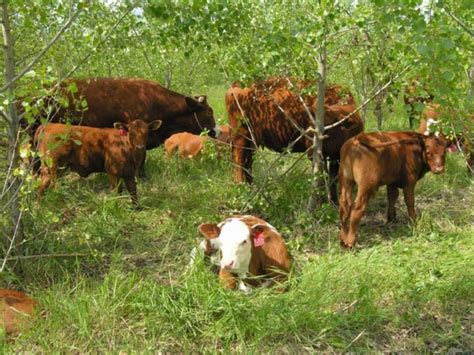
(404, 288)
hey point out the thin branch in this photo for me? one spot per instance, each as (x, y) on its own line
(43, 51)
(390, 82)
(459, 22)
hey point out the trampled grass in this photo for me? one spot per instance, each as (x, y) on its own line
(407, 287)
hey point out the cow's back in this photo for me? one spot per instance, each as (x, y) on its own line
(274, 109)
(112, 100)
(362, 160)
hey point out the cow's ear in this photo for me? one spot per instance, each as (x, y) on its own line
(121, 125)
(209, 230)
(259, 228)
(154, 125)
(193, 104)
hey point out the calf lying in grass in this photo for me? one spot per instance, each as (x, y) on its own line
(251, 250)
(16, 308)
(117, 151)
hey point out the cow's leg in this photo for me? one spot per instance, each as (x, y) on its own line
(357, 212)
(141, 168)
(392, 196)
(345, 204)
(228, 280)
(333, 172)
(242, 155)
(131, 185)
(409, 194)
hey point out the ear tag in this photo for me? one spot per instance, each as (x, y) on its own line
(123, 132)
(258, 239)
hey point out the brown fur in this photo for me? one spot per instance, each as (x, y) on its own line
(190, 145)
(15, 307)
(111, 100)
(465, 140)
(87, 150)
(369, 162)
(270, 261)
(271, 128)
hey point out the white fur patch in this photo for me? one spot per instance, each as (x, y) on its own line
(217, 131)
(235, 245)
(431, 122)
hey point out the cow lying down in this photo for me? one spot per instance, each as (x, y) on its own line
(16, 310)
(189, 145)
(248, 251)
(118, 151)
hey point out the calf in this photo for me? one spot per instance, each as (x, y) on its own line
(15, 307)
(430, 124)
(395, 159)
(190, 145)
(117, 151)
(249, 247)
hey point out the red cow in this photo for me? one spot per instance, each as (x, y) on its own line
(16, 308)
(430, 119)
(111, 100)
(270, 114)
(395, 159)
(118, 151)
(249, 247)
(190, 145)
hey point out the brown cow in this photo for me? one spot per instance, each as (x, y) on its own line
(249, 247)
(190, 145)
(255, 115)
(118, 151)
(429, 124)
(395, 159)
(413, 96)
(111, 100)
(15, 307)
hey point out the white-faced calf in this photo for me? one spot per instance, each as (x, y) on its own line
(251, 250)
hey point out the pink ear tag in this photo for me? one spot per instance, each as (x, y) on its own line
(258, 239)
(123, 132)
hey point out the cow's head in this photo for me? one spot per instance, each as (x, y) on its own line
(235, 242)
(137, 131)
(202, 116)
(434, 153)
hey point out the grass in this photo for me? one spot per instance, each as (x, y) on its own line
(406, 288)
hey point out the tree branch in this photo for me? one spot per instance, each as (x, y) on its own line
(43, 51)
(459, 22)
(390, 82)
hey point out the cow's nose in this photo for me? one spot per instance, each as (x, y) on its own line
(229, 265)
(438, 170)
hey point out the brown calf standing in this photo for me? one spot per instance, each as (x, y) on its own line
(249, 247)
(395, 159)
(430, 117)
(15, 307)
(117, 151)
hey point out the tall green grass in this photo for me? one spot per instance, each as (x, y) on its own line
(406, 288)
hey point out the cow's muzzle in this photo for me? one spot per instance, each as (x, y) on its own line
(215, 132)
(437, 169)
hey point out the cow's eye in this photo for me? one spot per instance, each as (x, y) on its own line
(244, 242)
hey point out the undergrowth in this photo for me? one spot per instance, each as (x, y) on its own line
(111, 278)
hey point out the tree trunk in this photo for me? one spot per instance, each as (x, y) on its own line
(14, 233)
(319, 184)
